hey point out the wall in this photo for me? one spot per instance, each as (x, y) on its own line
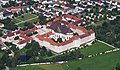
(75, 43)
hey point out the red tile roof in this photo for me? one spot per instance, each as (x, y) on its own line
(10, 34)
(47, 34)
(40, 37)
(72, 17)
(28, 31)
(14, 9)
(84, 35)
(26, 39)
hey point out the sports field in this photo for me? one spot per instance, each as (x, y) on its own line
(27, 17)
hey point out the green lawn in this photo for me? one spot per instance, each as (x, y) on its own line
(97, 47)
(23, 51)
(40, 67)
(16, 20)
(101, 62)
(34, 20)
(1, 54)
(28, 68)
(26, 16)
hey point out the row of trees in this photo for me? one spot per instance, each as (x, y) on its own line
(68, 56)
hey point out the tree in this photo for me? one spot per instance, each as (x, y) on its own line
(16, 38)
(59, 40)
(78, 68)
(71, 1)
(46, 5)
(12, 3)
(35, 32)
(22, 16)
(10, 26)
(117, 66)
(60, 13)
(41, 17)
(15, 14)
(28, 46)
(29, 34)
(49, 53)
(28, 25)
(14, 48)
(1, 33)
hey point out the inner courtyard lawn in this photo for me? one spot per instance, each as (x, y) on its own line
(100, 62)
(97, 47)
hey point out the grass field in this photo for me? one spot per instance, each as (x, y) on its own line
(16, 21)
(1, 54)
(40, 67)
(97, 47)
(101, 62)
(27, 18)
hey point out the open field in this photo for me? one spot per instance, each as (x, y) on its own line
(97, 47)
(101, 62)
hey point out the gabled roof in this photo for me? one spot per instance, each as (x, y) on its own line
(26, 39)
(57, 27)
(7, 13)
(14, 9)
